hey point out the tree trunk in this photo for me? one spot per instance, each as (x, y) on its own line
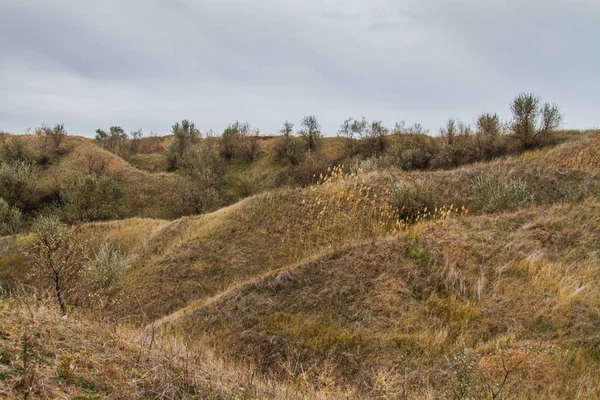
(59, 298)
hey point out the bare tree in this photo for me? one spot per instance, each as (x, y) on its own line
(533, 120)
(58, 256)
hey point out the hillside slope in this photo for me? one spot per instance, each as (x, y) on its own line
(523, 285)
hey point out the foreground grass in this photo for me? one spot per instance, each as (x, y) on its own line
(45, 356)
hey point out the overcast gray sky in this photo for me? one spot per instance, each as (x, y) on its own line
(148, 63)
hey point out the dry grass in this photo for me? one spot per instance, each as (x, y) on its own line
(43, 356)
(324, 292)
(492, 285)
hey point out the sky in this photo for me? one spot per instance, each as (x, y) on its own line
(145, 64)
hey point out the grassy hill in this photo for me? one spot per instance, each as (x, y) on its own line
(470, 282)
(472, 289)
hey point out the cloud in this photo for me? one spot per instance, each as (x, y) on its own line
(147, 63)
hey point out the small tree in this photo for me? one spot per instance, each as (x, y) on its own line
(353, 129)
(489, 136)
(533, 121)
(136, 141)
(489, 125)
(186, 135)
(58, 256)
(113, 140)
(53, 138)
(311, 132)
(288, 129)
(449, 132)
(377, 136)
(289, 147)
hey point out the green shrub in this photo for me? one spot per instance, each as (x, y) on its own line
(194, 198)
(412, 151)
(18, 183)
(458, 146)
(10, 218)
(246, 186)
(57, 256)
(311, 132)
(149, 162)
(290, 149)
(410, 201)
(52, 139)
(307, 172)
(494, 193)
(186, 135)
(240, 140)
(114, 140)
(491, 141)
(203, 165)
(104, 272)
(201, 171)
(367, 165)
(92, 198)
(15, 150)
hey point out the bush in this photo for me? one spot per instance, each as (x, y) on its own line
(311, 132)
(201, 173)
(307, 172)
(203, 165)
(135, 144)
(18, 183)
(186, 135)
(290, 149)
(194, 198)
(353, 129)
(114, 140)
(52, 141)
(458, 146)
(57, 256)
(490, 136)
(14, 150)
(92, 198)
(377, 139)
(10, 218)
(246, 186)
(494, 193)
(410, 201)
(412, 151)
(370, 164)
(240, 140)
(104, 272)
